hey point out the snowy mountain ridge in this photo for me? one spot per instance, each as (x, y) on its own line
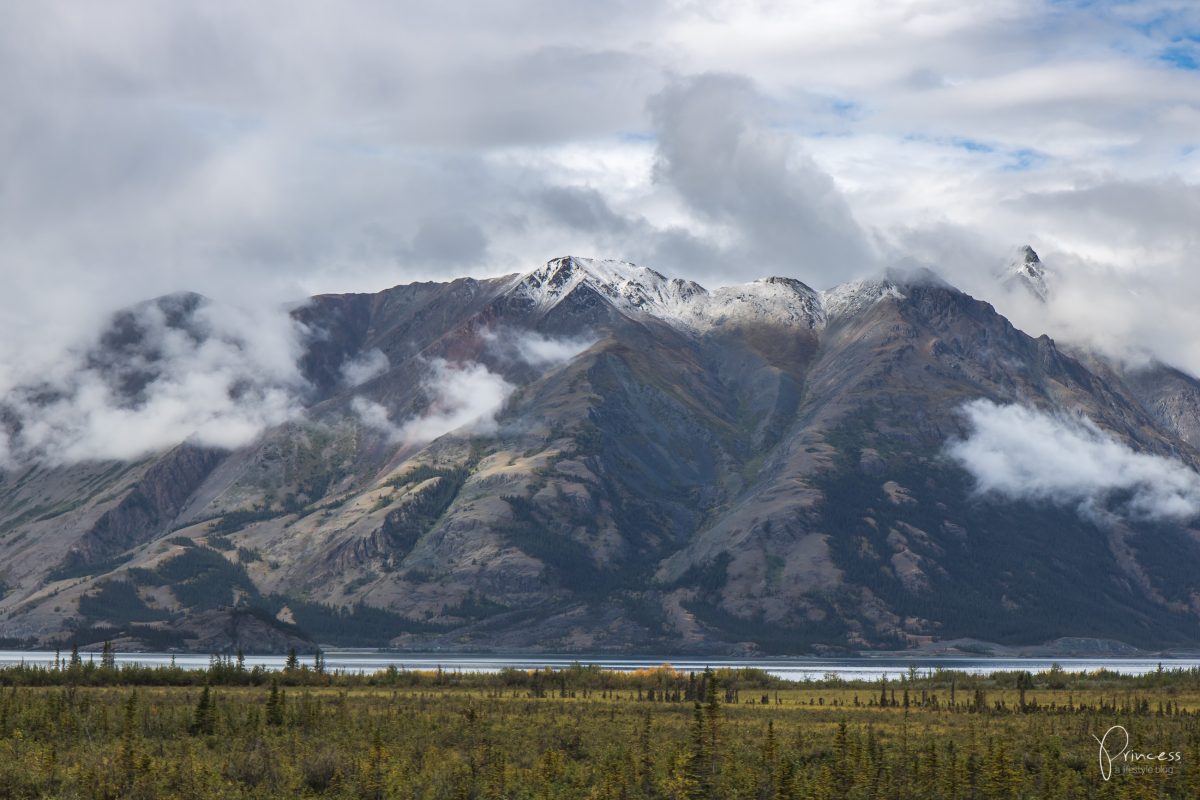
(639, 290)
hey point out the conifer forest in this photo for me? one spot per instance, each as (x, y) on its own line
(96, 730)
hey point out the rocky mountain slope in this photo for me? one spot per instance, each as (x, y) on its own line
(593, 456)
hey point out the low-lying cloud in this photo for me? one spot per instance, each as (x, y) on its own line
(533, 348)
(365, 367)
(469, 396)
(1019, 453)
(181, 369)
(463, 397)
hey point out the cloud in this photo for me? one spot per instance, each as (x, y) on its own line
(265, 152)
(777, 207)
(462, 397)
(468, 396)
(365, 367)
(375, 416)
(1018, 453)
(538, 350)
(179, 369)
(533, 348)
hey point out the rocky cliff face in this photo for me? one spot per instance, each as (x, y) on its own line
(593, 456)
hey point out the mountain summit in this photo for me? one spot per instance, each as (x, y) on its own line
(1028, 271)
(593, 456)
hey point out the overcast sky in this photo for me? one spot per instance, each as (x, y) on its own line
(272, 150)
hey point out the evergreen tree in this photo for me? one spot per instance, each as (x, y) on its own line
(1024, 682)
(683, 783)
(645, 758)
(1001, 779)
(712, 720)
(205, 717)
(949, 772)
(696, 775)
(275, 704)
(130, 731)
(372, 784)
(785, 781)
(841, 753)
(770, 749)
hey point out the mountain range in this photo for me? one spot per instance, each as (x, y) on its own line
(594, 457)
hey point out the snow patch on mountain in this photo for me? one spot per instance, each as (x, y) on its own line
(853, 297)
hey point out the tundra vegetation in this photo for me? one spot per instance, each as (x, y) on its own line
(83, 729)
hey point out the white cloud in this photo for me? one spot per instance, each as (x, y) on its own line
(538, 350)
(218, 379)
(1019, 453)
(367, 366)
(533, 348)
(463, 397)
(376, 416)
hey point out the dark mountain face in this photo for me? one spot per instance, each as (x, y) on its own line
(594, 457)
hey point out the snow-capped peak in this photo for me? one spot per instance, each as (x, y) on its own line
(1029, 271)
(855, 296)
(628, 286)
(642, 291)
(781, 300)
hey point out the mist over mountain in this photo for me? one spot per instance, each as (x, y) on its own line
(594, 456)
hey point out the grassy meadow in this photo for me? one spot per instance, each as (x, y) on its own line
(81, 730)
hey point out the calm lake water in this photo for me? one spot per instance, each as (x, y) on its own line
(864, 668)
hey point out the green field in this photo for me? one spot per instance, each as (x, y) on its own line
(96, 731)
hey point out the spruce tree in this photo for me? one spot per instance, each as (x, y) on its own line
(205, 717)
(275, 704)
(696, 771)
(785, 781)
(948, 779)
(712, 720)
(645, 758)
(1024, 682)
(841, 752)
(130, 730)
(770, 749)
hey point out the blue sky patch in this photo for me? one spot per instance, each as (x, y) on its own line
(1023, 159)
(1180, 57)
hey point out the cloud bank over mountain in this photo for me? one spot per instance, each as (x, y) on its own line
(1019, 453)
(180, 369)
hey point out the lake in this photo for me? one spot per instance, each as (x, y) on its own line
(797, 669)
